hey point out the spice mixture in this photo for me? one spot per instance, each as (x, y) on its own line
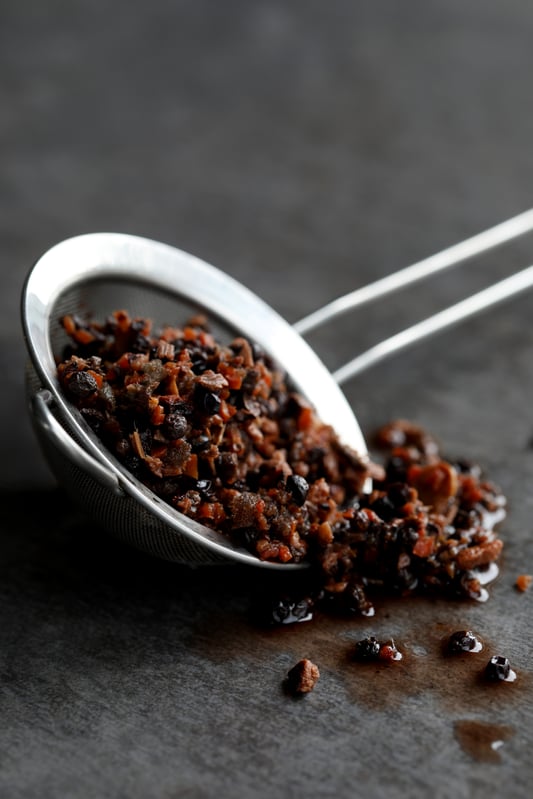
(219, 434)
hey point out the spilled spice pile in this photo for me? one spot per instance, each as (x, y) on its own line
(218, 433)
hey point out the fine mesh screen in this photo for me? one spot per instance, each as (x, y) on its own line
(122, 516)
(97, 299)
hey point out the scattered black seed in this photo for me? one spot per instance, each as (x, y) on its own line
(199, 443)
(174, 426)
(205, 487)
(498, 668)
(82, 385)
(285, 610)
(228, 464)
(463, 641)
(384, 508)
(208, 401)
(142, 344)
(367, 649)
(298, 487)
(199, 362)
(247, 536)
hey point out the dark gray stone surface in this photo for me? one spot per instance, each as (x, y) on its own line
(306, 148)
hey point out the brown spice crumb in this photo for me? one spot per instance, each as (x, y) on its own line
(303, 677)
(523, 582)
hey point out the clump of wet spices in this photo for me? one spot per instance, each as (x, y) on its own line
(370, 649)
(218, 432)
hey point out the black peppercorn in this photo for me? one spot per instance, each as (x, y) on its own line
(208, 401)
(367, 649)
(463, 641)
(82, 385)
(175, 426)
(498, 668)
(284, 610)
(298, 487)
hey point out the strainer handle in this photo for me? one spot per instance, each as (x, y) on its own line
(488, 298)
(67, 446)
(452, 256)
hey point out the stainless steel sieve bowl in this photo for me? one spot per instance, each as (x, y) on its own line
(96, 274)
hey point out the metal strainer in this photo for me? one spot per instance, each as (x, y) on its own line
(98, 273)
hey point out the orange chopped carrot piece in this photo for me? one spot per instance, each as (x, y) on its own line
(191, 467)
(424, 547)
(523, 581)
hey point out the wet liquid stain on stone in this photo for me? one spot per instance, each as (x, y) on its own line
(482, 741)
(419, 627)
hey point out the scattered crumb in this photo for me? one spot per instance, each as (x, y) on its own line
(523, 581)
(303, 677)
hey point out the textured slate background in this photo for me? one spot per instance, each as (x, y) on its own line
(306, 148)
